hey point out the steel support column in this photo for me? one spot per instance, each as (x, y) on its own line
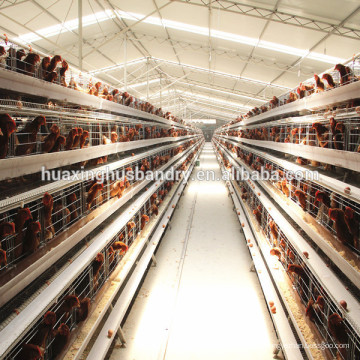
(80, 32)
(125, 62)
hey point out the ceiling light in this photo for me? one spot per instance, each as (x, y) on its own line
(196, 97)
(137, 61)
(199, 104)
(176, 25)
(199, 30)
(281, 48)
(211, 111)
(223, 92)
(117, 67)
(224, 110)
(219, 101)
(204, 121)
(203, 110)
(201, 87)
(66, 26)
(221, 73)
(325, 58)
(143, 83)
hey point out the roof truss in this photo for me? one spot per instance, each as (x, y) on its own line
(277, 16)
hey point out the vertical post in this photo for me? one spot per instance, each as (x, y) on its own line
(125, 62)
(80, 34)
(147, 79)
(209, 34)
(160, 92)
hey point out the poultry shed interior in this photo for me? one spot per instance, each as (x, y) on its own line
(179, 180)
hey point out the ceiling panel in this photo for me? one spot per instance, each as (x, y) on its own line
(147, 29)
(199, 59)
(276, 57)
(28, 11)
(231, 66)
(192, 46)
(63, 10)
(237, 24)
(260, 73)
(339, 47)
(291, 80)
(186, 13)
(248, 87)
(310, 67)
(9, 27)
(136, 6)
(293, 36)
(171, 70)
(160, 50)
(320, 9)
(354, 21)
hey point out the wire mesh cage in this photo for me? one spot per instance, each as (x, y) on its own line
(340, 75)
(65, 207)
(309, 195)
(319, 305)
(38, 134)
(74, 304)
(338, 132)
(56, 70)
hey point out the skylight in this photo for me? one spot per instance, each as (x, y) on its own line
(209, 99)
(222, 91)
(66, 26)
(204, 121)
(117, 67)
(143, 83)
(176, 25)
(199, 30)
(216, 100)
(221, 73)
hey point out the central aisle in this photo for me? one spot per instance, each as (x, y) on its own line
(200, 302)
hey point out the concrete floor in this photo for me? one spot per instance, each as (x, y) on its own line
(201, 301)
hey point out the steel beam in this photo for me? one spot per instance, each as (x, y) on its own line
(72, 31)
(167, 86)
(279, 17)
(80, 33)
(64, 51)
(138, 36)
(333, 31)
(197, 84)
(125, 62)
(167, 32)
(260, 37)
(210, 43)
(10, 4)
(212, 87)
(119, 19)
(127, 28)
(221, 74)
(138, 78)
(147, 80)
(140, 48)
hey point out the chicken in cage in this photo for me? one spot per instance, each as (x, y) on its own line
(25, 136)
(51, 334)
(32, 227)
(317, 305)
(56, 70)
(314, 199)
(340, 75)
(330, 134)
